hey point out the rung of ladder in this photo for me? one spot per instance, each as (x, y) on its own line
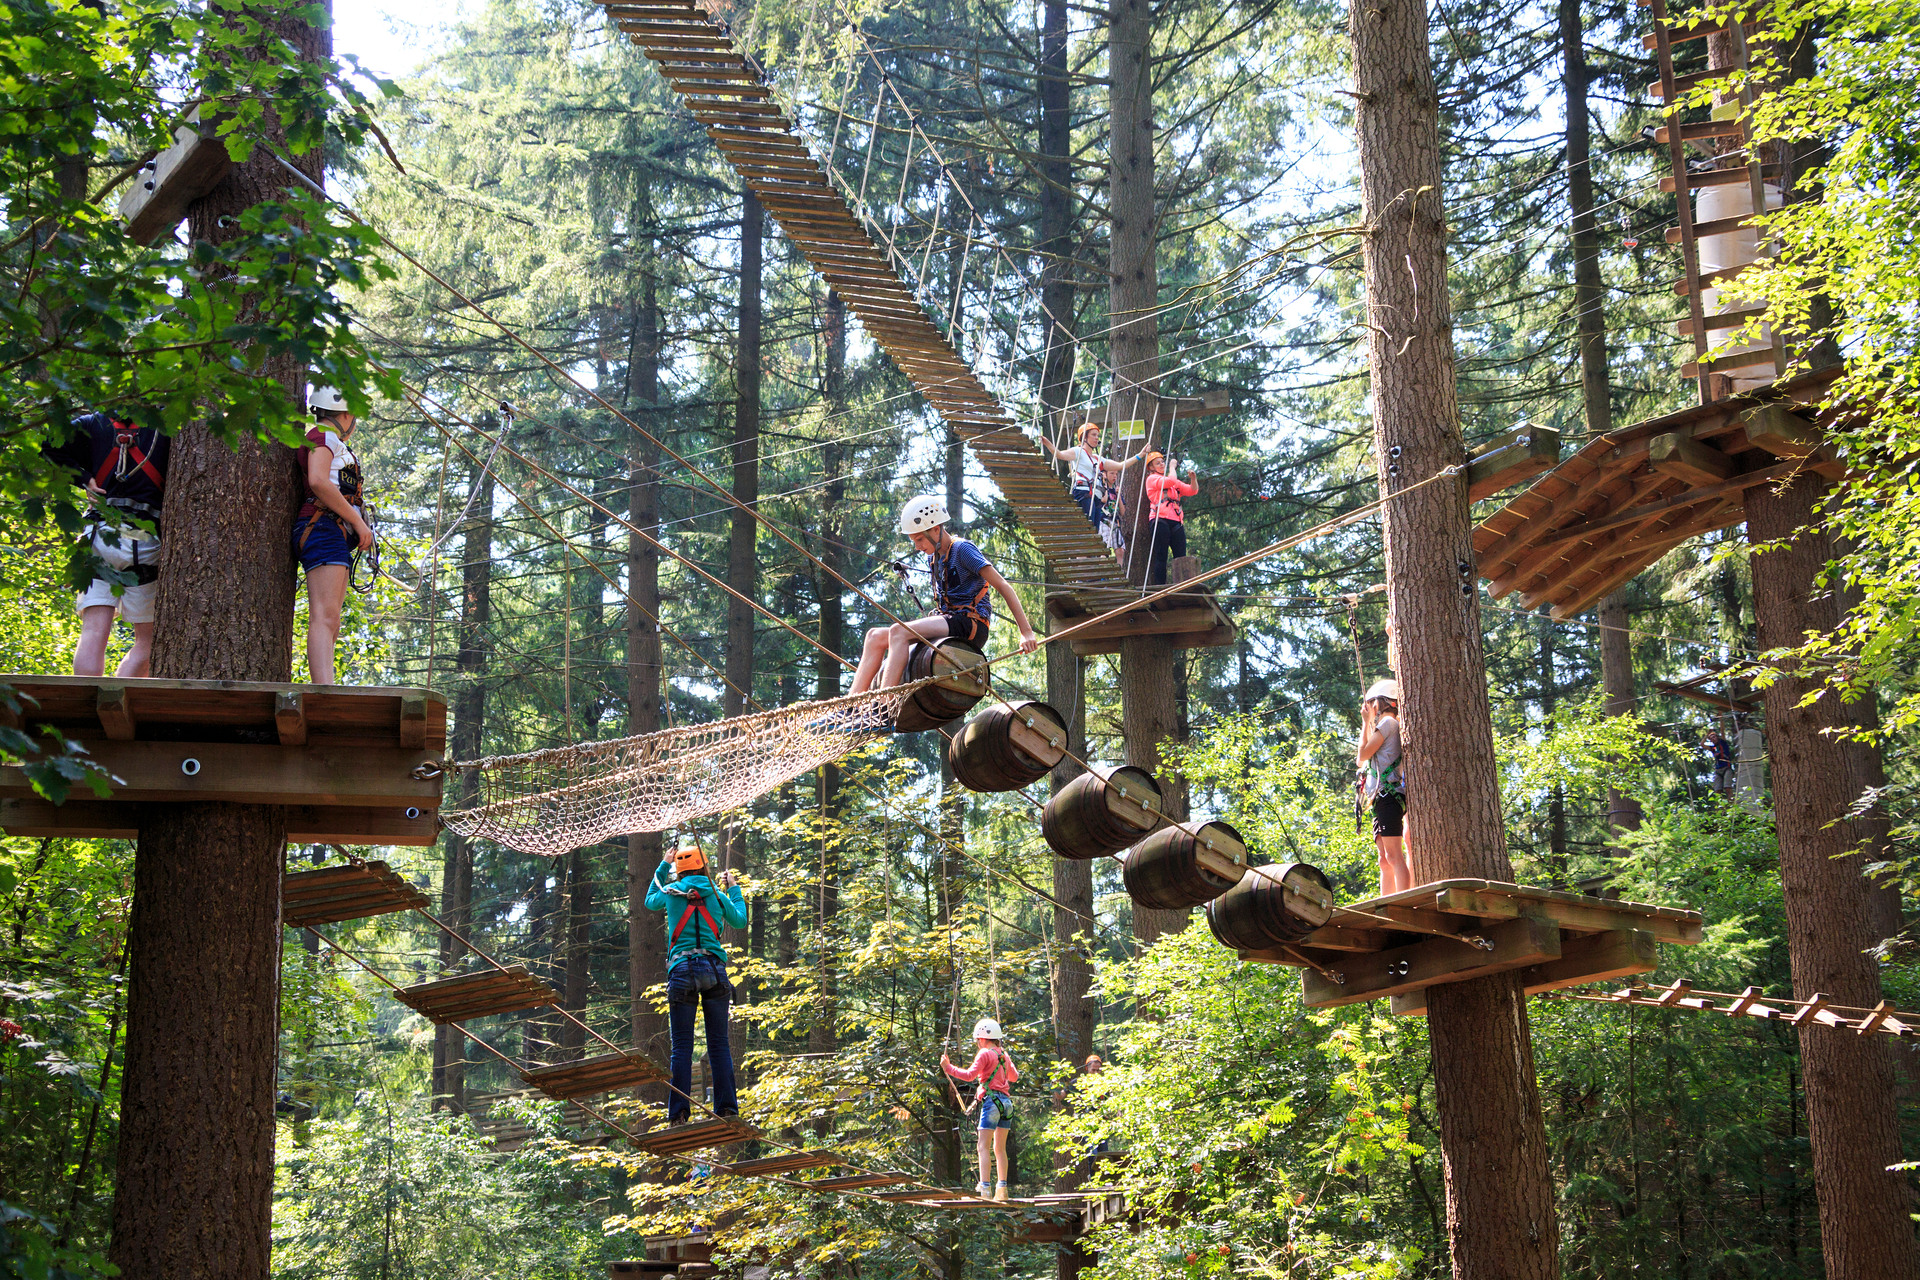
(1718, 178)
(478, 995)
(786, 1162)
(355, 891)
(600, 1074)
(1716, 227)
(677, 1139)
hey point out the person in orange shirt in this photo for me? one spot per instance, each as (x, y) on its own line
(1166, 521)
(996, 1073)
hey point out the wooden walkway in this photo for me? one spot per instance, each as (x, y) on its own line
(726, 93)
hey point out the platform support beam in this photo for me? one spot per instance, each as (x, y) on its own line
(1501, 1218)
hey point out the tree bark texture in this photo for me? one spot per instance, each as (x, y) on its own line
(1616, 681)
(469, 727)
(1056, 213)
(1589, 290)
(1500, 1205)
(646, 942)
(194, 1183)
(570, 1037)
(742, 563)
(1851, 1119)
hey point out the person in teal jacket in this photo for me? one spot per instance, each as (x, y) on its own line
(697, 910)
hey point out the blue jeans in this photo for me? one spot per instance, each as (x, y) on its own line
(1089, 502)
(996, 1110)
(700, 983)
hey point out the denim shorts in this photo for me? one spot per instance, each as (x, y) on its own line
(327, 544)
(996, 1110)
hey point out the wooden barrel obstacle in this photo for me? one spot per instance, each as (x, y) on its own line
(961, 678)
(1101, 812)
(1271, 906)
(1008, 746)
(1183, 866)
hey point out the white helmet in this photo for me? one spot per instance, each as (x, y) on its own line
(988, 1029)
(923, 513)
(328, 399)
(1388, 689)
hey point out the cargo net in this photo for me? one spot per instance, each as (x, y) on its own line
(564, 798)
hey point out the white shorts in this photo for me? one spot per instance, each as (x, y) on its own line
(135, 603)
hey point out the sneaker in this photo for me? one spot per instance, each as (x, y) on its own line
(999, 1191)
(980, 1189)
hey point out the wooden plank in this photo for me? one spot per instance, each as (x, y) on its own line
(1591, 914)
(1594, 957)
(353, 892)
(1781, 432)
(680, 1138)
(311, 775)
(157, 199)
(116, 715)
(1684, 458)
(413, 721)
(477, 995)
(290, 718)
(1516, 944)
(306, 824)
(602, 1073)
(857, 1182)
(786, 1162)
(1510, 459)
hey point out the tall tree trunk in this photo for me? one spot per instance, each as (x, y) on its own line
(469, 727)
(1852, 1124)
(646, 942)
(193, 1186)
(742, 564)
(1616, 680)
(1149, 709)
(829, 587)
(1596, 386)
(1500, 1203)
(570, 1038)
(1056, 214)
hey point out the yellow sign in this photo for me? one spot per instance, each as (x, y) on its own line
(1133, 430)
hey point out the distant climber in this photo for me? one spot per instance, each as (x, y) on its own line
(123, 468)
(331, 527)
(697, 910)
(963, 586)
(996, 1073)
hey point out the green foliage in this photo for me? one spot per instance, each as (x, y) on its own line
(29, 1251)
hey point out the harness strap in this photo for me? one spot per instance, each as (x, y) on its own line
(696, 905)
(127, 451)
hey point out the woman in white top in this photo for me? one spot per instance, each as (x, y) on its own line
(1383, 779)
(331, 528)
(1089, 468)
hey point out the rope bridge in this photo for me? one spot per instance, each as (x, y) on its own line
(564, 798)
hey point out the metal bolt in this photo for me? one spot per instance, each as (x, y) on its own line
(190, 766)
(412, 813)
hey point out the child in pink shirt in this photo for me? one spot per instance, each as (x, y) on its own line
(996, 1073)
(1166, 517)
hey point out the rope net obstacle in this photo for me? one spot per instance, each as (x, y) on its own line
(554, 801)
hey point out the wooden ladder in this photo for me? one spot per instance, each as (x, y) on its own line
(728, 95)
(1683, 183)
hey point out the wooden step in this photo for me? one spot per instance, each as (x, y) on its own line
(355, 891)
(678, 1139)
(785, 1162)
(478, 995)
(588, 1076)
(858, 1182)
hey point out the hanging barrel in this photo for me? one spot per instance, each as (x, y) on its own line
(962, 681)
(1271, 906)
(1006, 747)
(1180, 867)
(1101, 812)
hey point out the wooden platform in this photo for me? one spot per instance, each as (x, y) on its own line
(602, 1073)
(1625, 499)
(785, 1162)
(678, 1139)
(858, 1182)
(1453, 930)
(478, 995)
(351, 764)
(1193, 618)
(354, 891)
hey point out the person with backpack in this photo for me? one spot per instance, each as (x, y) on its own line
(696, 910)
(996, 1073)
(1383, 782)
(123, 469)
(332, 525)
(963, 586)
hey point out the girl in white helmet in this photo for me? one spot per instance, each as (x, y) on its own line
(963, 587)
(331, 527)
(996, 1073)
(1383, 778)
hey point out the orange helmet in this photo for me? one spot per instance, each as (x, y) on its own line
(1153, 457)
(689, 859)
